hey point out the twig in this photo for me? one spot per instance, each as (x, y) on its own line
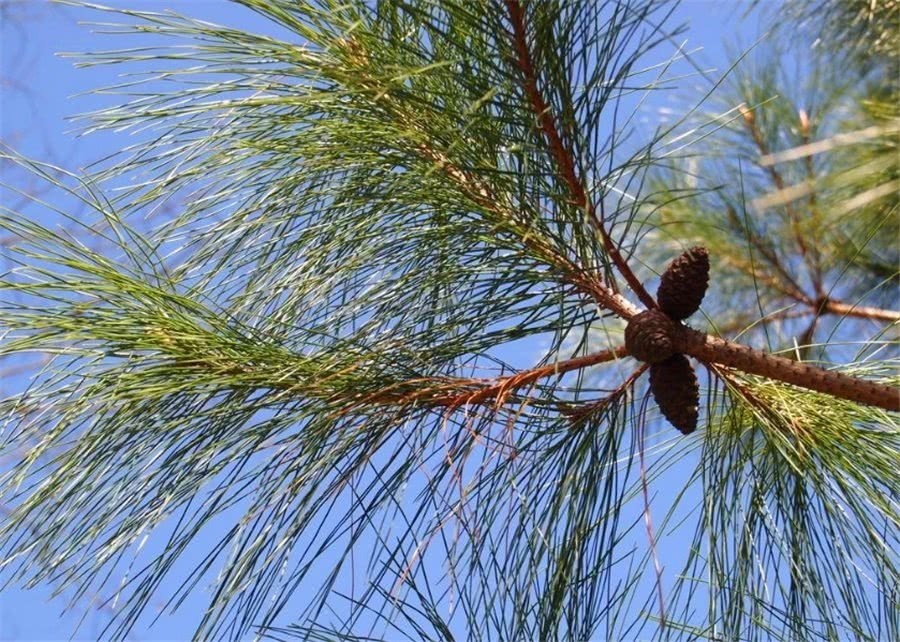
(453, 393)
(820, 308)
(777, 179)
(561, 154)
(861, 311)
(480, 193)
(815, 254)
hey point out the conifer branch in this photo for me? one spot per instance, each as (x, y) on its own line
(454, 393)
(711, 349)
(777, 179)
(376, 229)
(830, 306)
(815, 254)
(562, 154)
(481, 193)
(825, 307)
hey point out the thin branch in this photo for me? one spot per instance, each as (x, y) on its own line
(861, 311)
(817, 147)
(815, 254)
(561, 154)
(822, 307)
(453, 393)
(744, 323)
(777, 180)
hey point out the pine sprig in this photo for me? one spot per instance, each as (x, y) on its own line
(373, 208)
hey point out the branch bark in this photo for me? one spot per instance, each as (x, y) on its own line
(711, 349)
(860, 311)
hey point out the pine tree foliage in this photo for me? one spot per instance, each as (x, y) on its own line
(314, 359)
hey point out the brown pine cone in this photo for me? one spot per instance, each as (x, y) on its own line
(649, 335)
(684, 283)
(674, 386)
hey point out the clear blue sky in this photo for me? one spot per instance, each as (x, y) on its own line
(39, 93)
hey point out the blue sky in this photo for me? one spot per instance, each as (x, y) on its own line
(41, 90)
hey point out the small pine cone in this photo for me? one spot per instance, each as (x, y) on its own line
(649, 335)
(683, 284)
(674, 386)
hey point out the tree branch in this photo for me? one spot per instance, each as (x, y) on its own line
(484, 197)
(863, 312)
(563, 156)
(828, 306)
(711, 349)
(777, 180)
(453, 393)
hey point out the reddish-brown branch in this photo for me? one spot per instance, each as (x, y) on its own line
(860, 311)
(561, 154)
(453, 393)
(711, 349)
(829, 306)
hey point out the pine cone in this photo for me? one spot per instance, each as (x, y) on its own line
(648, 336)
(674, 386)
(684, 283)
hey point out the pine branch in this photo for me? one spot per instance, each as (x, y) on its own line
(481, 194)
(777, 179)
(814, 251)
(454, 393)
(715, 350)
(831, 306)
(379, 223)
(821, 308)
(563, 154)
(653, 337)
